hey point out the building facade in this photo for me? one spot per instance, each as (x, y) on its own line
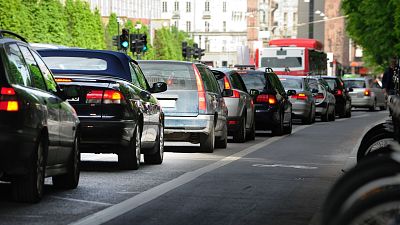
(218, 26)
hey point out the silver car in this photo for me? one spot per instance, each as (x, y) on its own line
(303, 102)
(193, 105)
(241, 124)
(366, 93)
(324, 99)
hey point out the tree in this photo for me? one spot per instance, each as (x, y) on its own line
(14, 16)
(374, 25)
(111, 30)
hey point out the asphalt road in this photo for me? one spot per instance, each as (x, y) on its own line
(272, 180)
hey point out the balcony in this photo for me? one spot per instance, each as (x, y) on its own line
(206, 15)
(176, 15)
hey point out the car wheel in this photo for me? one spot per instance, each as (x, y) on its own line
(278, 130)
(222, 142)
(129, 159)
(309, 119)
(29, 188)
(288, 129)
(383, 107)
(325, 117)
(373, 107)
(207, 142)
(71, 179)
(158, 156)
(348, 111)
(240, 135)
(332, 116)
(252, 132)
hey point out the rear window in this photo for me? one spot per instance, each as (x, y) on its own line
(355, 83)
(75, 63)
(290, 84)
(176, 76)
(254, 80)
(332, 83)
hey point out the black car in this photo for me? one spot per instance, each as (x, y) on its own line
(273, 110)
(39, 130)
(115, 105)
(343, 99)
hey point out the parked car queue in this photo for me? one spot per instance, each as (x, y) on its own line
(58, 103)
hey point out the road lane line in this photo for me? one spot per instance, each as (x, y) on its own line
(360, 116)
(286, 166)
(83, 201)
(155, 192)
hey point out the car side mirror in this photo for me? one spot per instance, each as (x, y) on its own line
(70, 92)
(218, 74)
(350, 89)
(254, 92)
(291, 92)
(145, 95)
(158, 87)
(227, 93)
(314, 91)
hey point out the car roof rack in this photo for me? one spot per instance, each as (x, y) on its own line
(244, 67)
(2, 32)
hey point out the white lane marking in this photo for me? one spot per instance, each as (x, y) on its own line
(155, 192)
(83, 201)
(361, 116)
(128, 192)
(286, 166)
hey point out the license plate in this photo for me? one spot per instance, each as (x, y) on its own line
(73, 99)
(167, 103)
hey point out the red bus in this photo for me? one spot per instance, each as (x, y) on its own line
(293, 57)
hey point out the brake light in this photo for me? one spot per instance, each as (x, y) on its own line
(367, 92)
(200, 90)
(339, 92)
(8, 101)
(107, 97)
(263, 98)
(319, 96)
(233, 122)
(63, 80)
(227, 85)
(300, 96)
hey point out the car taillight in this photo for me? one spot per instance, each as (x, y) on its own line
(63, 80)
(319, 96)
(263, 98)
(367, 92)
(339, 92)
(200, 90)
(227, 85)
(8, 100)
(107, 97)
(300, 96)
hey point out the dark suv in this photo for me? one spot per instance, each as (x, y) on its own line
(273, 110)
(39, 130)
(343, 99)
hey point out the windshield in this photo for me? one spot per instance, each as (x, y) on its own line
(290, 84)
(176, 76)
(75, 63)
(275, 62)
(355, 83)
(332, 83)
(254, 80)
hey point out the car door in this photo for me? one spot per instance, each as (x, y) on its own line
(239, 85)
(47, 103)
(379, 93)
(221, 108)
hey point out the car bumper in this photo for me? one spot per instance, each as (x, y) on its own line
(17, 148)
(365, 101)
(105, 136)
(321, 108)
(233, 124)
(301, 109)
(186, 128)
(266, 117)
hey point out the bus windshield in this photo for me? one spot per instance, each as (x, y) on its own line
(275, 62)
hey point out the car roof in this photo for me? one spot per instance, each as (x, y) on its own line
(291, 77)
(117, 62)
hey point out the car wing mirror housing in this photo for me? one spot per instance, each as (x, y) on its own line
(254, 92)
(227, 93)
(291, 92)
(158, 87)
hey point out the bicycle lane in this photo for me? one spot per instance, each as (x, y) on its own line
(282, 180)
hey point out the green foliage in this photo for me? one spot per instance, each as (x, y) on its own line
(374, 25)
(111, 30)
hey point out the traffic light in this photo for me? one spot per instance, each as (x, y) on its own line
(138, 43)
(116, 41)
(195, 51)
(144, 42)
(124, 39)
(184, 49)
(201, 53)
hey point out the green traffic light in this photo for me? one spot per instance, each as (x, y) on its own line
(125, 44)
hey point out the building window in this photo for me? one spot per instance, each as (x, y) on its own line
(176, 6)
(207, 26)
(207, 6)
(285, 19)
(188, 26)
(224, 7)
(164, 7)
(188, 7)
(176, 23)
(224, 26)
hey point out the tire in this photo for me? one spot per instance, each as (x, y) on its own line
(373, 137)
(207, 142)
(332, 116)
(240, 135)
(129, 159)
(309, 119)
(288, 129)
(278, 130)
(348, 112)
(71, 179)
(252, 133)
(30, 188)
(158, 156)
(353, 180)
(373, 107)
(383, 107)
(325, 117)
(222, 142)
